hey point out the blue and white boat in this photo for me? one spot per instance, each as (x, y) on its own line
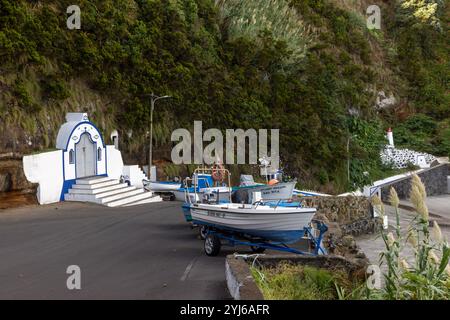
(203, 184)
(279, 224)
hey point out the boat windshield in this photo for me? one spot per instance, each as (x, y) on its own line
(204, 181)
(247, 180)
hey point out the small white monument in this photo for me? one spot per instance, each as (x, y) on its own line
(83, 169)
(390, 137)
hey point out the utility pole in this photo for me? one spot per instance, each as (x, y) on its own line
(351, 137)
(153, 99)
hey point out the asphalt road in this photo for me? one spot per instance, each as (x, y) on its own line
(140, 252)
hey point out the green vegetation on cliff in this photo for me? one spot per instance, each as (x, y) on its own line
(308, 67)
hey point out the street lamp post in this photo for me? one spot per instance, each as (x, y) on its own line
(153, 99)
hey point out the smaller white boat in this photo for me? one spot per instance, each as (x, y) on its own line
(161, 186)
(260, 225)
(281, 190)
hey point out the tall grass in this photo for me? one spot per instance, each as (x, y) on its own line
(250, 18)
(428, 278)
(425, 277)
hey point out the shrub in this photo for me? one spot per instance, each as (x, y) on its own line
(294, 282)
(54, 88)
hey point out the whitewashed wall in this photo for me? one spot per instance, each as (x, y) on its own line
(135, 175)
(114, 162)
(47, 170)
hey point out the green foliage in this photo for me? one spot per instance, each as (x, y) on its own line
(421, 31)
(365, 141)
(54, 89)
(299, 66)
(172, 170)
(294, 282)
(422, 11)
(421, 132)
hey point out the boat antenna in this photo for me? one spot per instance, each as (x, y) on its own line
(265, 161)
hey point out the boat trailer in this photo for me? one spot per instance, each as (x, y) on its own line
(214, 238)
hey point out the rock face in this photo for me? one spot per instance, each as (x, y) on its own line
(385, 101)
(5, 181)
(12, 177)
(13, 183)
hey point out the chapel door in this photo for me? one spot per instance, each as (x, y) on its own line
(85, 154)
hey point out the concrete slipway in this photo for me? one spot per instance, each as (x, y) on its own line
(140, 252)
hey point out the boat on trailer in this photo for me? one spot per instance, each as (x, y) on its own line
(261, 225)
(277, 224)
(161, 186)
(258, 226)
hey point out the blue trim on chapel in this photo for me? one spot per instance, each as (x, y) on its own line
(84, 123)
(67, 184)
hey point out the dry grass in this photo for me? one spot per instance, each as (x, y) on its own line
(250, 18)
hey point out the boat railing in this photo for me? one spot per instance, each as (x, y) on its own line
(224, 173)
(278, 201)
(194, 182)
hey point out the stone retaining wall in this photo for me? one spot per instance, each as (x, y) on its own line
(345, 217)
(434, 179)
(353, 215)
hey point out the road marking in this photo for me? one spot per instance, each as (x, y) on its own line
(188, 269)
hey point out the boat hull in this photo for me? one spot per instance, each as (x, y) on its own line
(187, 212)
(162, 186)
(283, 190)
(284, 225)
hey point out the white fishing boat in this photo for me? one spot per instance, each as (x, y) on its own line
(161, 186)
(272, 223)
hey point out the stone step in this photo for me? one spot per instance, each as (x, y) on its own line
(130, 200)
(103, 198)
(115, 191)
(110, 182)
(95, 196)
(92, 180)
(99, 190)
(147, 200)
(120, 196)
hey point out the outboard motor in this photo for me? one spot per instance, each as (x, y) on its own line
(209, 198)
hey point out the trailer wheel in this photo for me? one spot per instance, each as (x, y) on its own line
(212, 245)
(203, 232)
(257, 249)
